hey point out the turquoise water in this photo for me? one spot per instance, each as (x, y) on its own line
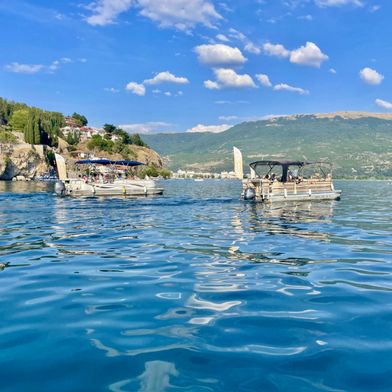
(195, 291)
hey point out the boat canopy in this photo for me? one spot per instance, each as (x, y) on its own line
(253, 165)
(285, 166)
(108, 162)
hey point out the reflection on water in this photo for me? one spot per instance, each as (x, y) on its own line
(195, 291)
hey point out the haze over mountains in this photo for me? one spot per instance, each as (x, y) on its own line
(358, 144)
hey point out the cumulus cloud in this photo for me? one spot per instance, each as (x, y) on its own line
(210, 128)
(276, 50)
(148, 127)
(180, 14)
(228, 78)
(286, 87)
(219, 55)
(136, 88)
(166, 77)
(159, 78)
(332, 70)
(211, 85)
(338, 3)
(370, 76)
(106, 11)
(310, 54)
(384, 104)
(264, 80)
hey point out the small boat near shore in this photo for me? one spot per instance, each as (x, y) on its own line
(109, 181)
(280, 181)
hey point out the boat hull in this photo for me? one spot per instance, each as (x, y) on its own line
(268, 192)
(300, 197)
(116, 188)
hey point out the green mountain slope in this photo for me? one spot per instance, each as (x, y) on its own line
(359, 144)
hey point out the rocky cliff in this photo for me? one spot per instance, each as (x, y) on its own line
(25, 162)
(22, 161)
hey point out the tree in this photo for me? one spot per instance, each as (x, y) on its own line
(109, 128)
(137, 140)
(18, 119)
(80, 119)
(29, 130)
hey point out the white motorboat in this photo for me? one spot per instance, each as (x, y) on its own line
(108, 182)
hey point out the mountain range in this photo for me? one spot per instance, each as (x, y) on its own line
(358, 144)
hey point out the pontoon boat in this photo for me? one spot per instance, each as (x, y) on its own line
(103, 177)
(272, 180)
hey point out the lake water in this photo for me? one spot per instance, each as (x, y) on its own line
(195, 291)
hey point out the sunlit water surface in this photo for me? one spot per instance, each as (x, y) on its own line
(195, 291)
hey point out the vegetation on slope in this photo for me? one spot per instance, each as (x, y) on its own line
(39, 126)
(358, 147)
(121, 145)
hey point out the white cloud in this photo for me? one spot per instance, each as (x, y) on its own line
(35, 68)
(233, 33)
(209, 128)
(384, 104)
(228, 78)
(228, 118)
(111, 90)
(211, 85)
(264, 80)
(252, 48)
(148, 127)
(219, 55)
(166, 77)
(370, 76)
(310, 54)
(286, 87)
(24, 68)
(332, 71)
(106, 11)
(180, 14)
(167, 93)
(276, 50)
(222, 37)
(338, 3)
(56, 64)
(66, 60)
(307, 17)
(136, 88)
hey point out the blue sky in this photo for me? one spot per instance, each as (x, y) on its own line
(180, 65)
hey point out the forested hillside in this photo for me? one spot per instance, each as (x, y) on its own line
(39, 126)
(359, 145)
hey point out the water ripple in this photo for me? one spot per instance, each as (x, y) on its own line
(195, 291)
